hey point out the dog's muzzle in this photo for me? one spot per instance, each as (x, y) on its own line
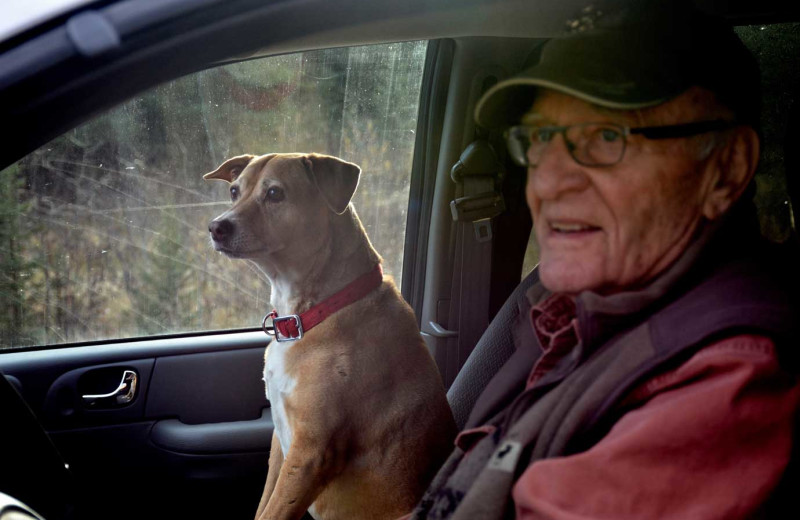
(221, 230)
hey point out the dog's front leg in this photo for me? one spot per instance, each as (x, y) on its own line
(275, 463)
(309, 466)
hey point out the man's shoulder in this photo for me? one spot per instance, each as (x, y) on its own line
(753, 291)
(731, 364)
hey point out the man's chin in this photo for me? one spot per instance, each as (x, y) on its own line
(560, 277)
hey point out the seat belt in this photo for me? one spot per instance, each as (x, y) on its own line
(478, 175)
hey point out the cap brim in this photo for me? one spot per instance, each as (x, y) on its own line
(507, 101)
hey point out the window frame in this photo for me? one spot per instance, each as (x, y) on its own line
(416, 178)
(430, 121)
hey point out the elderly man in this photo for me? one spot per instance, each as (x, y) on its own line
(646, 381)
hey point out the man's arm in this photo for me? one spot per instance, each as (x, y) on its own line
(710, 439)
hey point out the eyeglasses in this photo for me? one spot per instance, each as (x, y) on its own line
(595, 144)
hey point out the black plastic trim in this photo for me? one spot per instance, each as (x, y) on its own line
(225, 437)
(64, 408)
(92, 33)
(208, 387)
(135, 15)
(137, 339)
(16, 362)
(120, 20)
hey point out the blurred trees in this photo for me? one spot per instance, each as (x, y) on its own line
(14, 269)
(104, 230)
(161, 284)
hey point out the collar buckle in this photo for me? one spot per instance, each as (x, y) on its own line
(280, 331)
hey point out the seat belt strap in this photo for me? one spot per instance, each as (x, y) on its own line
(478, 175)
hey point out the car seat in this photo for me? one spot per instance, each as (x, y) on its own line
(490, 353)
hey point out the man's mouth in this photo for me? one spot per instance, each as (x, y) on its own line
(571, 227)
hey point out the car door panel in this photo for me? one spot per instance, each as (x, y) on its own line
(66, 407)
(209, 387)
(226, 437)
(199, 424)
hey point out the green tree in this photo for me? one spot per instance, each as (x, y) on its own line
(162, 292)
(14, 269)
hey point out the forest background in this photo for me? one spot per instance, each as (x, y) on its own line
(104, 230)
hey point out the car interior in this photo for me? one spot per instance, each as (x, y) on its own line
(132, 353)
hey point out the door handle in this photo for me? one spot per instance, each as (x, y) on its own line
(122, 395)
(441, 332)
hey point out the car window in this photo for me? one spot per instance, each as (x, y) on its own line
(776, 47)
(105, 229)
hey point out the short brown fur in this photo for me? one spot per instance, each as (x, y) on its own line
(369, 420)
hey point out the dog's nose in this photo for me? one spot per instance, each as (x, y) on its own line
(220, 229)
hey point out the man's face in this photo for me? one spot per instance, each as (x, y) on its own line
(613, 228)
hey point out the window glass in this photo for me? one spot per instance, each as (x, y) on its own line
(777, 49)
(105, 229)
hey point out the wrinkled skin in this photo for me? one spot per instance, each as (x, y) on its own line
(614, 228)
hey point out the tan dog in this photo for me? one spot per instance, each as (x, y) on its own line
(361, 419)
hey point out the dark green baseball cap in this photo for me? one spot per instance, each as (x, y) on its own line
(635, 59)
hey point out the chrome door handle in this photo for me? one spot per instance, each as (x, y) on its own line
(123, 394)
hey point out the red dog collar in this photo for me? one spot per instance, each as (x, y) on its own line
(292, 326)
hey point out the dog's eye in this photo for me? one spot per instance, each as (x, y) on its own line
(275, 194)
(234, 193)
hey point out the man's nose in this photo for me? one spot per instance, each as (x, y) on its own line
(220, 229)
(556, 171)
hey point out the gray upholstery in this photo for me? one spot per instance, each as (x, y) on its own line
(490, 353)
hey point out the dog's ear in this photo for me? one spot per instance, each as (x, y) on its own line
(336, 179)
(230, 169)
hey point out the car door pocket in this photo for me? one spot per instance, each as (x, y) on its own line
(214, 438)
(209, 387)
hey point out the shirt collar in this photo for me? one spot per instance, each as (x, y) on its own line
(600, 316)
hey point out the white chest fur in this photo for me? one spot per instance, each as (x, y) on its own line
(279, 385)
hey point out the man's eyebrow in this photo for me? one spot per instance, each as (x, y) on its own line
(532, 117)
(622, 116)
(613, 115)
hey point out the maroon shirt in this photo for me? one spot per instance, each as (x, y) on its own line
(709, 439)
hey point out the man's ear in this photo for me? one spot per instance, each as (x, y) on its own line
(735, 165)
(336, 179)
(230, 169)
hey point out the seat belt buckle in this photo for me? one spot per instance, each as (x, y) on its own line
(483, 230)
(473, 208)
